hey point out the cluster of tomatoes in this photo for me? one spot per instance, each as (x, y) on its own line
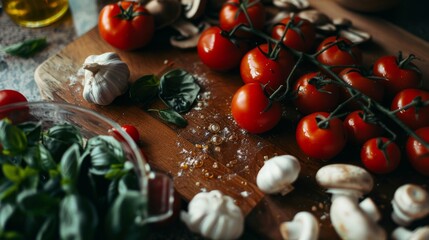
(388, 96)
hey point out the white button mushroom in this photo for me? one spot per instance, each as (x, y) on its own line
(345, 179)
(277, 174)
(214, 216)
(304, 226)
(402, 233)
(351, 222)
(410, 202)
(189, 33)
(165, 12)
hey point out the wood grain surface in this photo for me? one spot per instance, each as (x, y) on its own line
(196, 158)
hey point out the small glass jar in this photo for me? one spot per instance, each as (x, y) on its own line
(35, 13)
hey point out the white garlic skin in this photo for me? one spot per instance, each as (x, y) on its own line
(278, 174)
(106, 77)
(214, 216)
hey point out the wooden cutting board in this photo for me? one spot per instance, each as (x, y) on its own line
(201, 158)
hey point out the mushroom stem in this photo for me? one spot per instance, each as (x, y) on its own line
(290, 230)
(401, 233)
(369, 207)
(353, 194)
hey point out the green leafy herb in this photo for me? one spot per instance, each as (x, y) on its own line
(171, 116)
(144, 89)
(59, 138)
(178, 89)
(12, 139)
(34, 202)
(26, 48)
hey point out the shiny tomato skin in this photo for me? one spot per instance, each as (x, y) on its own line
(409, 116)
(9, 96)
(320, 143)
(126, 34)
(417, 154)
(358, 130)
(396, 78)
(309, 99)
(371, 88)
(231, 16)
(336, 56)
(300, 36)
(249, 109)
(132, 131)
(375, 161)
(218, 52)
(257, 67)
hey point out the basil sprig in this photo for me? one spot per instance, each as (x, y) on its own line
(177, 88)
(55, 185)
(25, 48)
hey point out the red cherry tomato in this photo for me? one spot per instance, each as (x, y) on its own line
(218, 52)
(358, 130)
(417, 153)
(8, 96)
(397, 76)
(126, 25)
(320, 142)
(375, 160)
(300, 35)
(231, 15)
(342, 54)
(256, 66)
(251, 111)
(310, 99)
(131, 130)
(409, 116)
(371, 88)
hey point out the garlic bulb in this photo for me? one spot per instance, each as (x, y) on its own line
(277, 174)
(106, 77)
(214, 215)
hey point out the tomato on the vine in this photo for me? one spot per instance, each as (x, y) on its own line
(398, 73)
(370, 87)
(339, 51)
(315, 97)
(253, 111)
(258, 66)
(320, 137)
(377, 160)
(360, 130)
(300, 35)
(218, 52)
(417, 153)
(414, 117)
(232, 15)
(126, 25)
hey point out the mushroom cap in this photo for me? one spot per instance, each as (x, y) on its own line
(412, 200)
(420, 233)
(307, 224)
(351, 222)
(278, 173)
(345, 176)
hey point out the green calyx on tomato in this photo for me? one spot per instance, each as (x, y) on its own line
(130, 12)
(406, 63)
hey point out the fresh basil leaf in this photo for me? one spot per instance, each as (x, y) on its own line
(69, 167)
(129, 182)
(37, 203)
(60, 137)
(178, 89)
(78, 218)
(8, 190)
(104, 151)
(38, 157)
(12, 139)
(123, 214)
(171, 116)
(49, 229)
(32, 130)
(6, 212)
(26, 48)
(11, 235)
(30, 178)
(144, 89)
(13, 173)
(46, 161)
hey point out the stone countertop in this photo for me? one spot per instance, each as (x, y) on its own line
(18, 73)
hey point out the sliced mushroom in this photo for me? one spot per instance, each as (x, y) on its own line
(410, 202)
(355, 35)
(345, 179)
(402, 233)
(314, 16)
(189, 33)
(369, 207)
(286, 4)
(351, 222)
(304, 226)
(193, 9)
(165, 12)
